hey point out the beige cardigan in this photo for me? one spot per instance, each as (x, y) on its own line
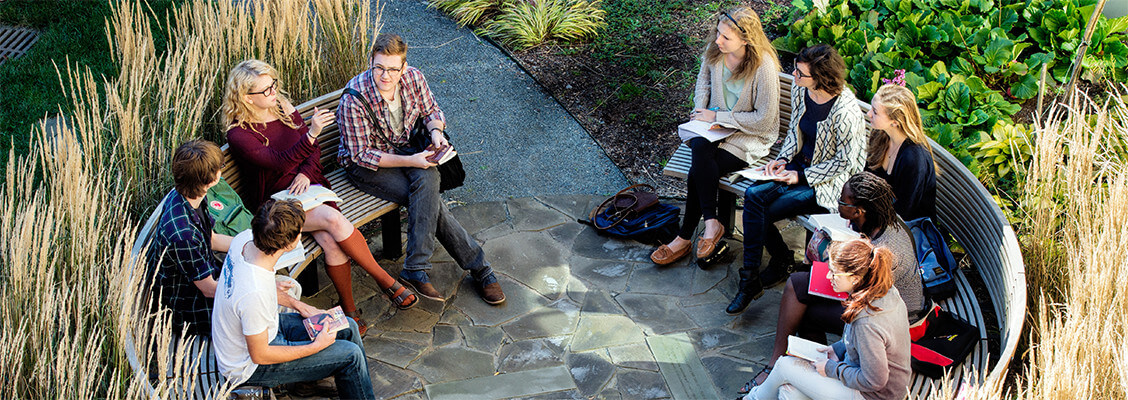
(756, 114)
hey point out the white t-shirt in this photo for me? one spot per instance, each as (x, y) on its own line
(246, 303)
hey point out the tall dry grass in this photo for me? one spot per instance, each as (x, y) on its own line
(71, 297)
(1075, 241)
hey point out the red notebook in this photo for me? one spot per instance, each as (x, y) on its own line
(820, 286)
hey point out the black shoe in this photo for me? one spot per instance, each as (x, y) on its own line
(777, 272)
(744, 297)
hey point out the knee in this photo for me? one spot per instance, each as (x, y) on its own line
(427, 181)
(754, 195)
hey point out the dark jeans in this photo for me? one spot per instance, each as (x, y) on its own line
(764, 204)
(344, 360)
(428, 217)
(708, 165)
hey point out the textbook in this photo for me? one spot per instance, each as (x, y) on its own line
(291, 258)
(313, 197)
(805, 349)
(695, 128)
(835, 225)
(752, 174)
(330, 321)
(442, 154)
(820, 286)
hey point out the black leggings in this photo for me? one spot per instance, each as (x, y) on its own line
(709, 164)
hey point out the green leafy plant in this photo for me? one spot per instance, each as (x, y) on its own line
(471, 12)
(1003, 156)
(527, 24)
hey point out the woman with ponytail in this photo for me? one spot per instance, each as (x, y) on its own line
(899, 152)
(275, 151)
(872, 359)
(867, 202)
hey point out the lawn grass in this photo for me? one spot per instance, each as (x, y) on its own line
(70, 31)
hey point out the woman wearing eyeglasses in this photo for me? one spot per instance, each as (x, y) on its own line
(825, 143)
(867, 202)
(899, 152)
(737, 87)
(872, 359)
(276, 151)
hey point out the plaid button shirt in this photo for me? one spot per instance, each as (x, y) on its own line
(182, 253)
(360, 143)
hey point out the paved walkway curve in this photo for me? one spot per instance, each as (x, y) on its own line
(586, 317)
(515, 139)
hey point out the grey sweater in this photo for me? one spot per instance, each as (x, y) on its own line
(906, 270)
(877, 351)
(755, 115)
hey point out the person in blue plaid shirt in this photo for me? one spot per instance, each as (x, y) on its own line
(183, 244)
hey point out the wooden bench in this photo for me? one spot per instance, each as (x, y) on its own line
(967, 211)
(359, 207)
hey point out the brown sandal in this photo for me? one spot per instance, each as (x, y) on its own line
(401, 300)
(361, 324)
(664, 255)
(706, 246)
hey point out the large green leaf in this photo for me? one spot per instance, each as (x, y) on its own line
(957, 98)
(962, 66)
(997, 54)
(928, 91)
(1026, 88)
(938, 70)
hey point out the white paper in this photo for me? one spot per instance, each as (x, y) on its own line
(805, 349)
(835, 225)
(756, 174)
(291, 258)
(314, 196)
(712, 132)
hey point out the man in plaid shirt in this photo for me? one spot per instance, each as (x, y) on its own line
(398, 95)
(183, 242)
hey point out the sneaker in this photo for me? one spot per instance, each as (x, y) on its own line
(490, 290)
(421, 285)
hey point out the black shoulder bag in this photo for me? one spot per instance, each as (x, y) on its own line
(451, 173)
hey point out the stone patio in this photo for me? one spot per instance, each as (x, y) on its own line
(586, 317)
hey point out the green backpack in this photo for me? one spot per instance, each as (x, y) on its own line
(227, 208)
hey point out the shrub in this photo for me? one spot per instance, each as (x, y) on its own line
(523, 24)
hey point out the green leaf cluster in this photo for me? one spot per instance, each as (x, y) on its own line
(970, 62)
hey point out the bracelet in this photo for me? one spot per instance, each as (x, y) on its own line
(311, 137)
(432, 130)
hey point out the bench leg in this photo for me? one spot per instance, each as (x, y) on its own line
(390, 224)
(726, 210)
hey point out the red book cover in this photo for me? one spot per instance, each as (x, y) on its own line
(820, 285)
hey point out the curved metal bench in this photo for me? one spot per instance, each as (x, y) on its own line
(357, 206)
(969, 213)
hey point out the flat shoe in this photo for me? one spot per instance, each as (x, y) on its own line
(665, 256)
(706, 246)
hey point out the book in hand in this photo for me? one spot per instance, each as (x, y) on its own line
(805, 349)
(314, 196)
(820, 286)
(330, 321)
(753, 174)
(835, 225)
(291, 258)
(711, 131)
(441, 154)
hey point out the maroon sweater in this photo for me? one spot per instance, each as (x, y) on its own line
(268, 169)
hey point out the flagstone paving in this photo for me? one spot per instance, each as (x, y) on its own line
(586, 316)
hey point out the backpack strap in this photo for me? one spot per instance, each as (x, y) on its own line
(371, 117)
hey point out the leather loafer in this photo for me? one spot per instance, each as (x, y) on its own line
(491, 293)
(707, 246)
(665, 256)
(425, 289)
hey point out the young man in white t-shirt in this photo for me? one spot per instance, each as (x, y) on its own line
(253, 343)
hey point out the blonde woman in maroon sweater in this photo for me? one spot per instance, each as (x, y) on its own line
(276, 151)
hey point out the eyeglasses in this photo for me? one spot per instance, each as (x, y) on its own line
(800, 74)
(832, 273)
(845, 204)
(730, 18)
(380, 70)
(269, 89)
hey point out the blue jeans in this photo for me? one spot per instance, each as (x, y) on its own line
(344, 360)
(764, 204)
(428, 217)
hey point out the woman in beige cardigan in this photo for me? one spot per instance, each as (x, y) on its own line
(738, 88)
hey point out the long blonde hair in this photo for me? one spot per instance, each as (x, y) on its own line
(756, 44)
(236, 110)
(901, 106)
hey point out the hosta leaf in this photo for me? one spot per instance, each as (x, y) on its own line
(961, 66)
(938, 70)
(928, 91)
(1026, 88)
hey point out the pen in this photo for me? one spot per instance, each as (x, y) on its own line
(714, 108)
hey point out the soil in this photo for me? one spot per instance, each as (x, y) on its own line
(637, 131)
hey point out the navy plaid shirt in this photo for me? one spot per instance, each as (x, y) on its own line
(182, 237)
